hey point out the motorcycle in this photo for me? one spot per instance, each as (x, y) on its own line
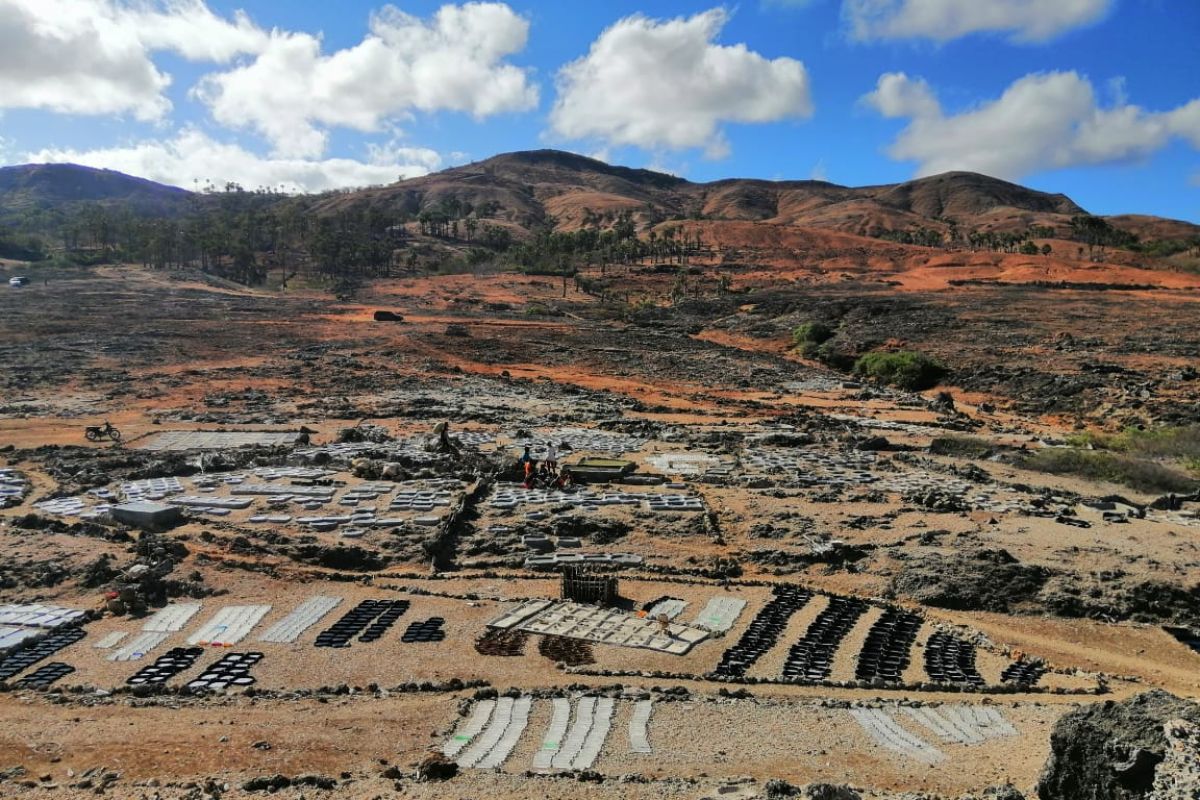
(95, 433)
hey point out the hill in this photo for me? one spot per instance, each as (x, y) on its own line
(511, 197)
(568, 192)
(31, 188)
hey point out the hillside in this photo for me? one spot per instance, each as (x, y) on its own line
(967, 194)
(31, 188)
(570, 191)
(530, 190)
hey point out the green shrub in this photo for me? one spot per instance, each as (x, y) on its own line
(808, 350)
(829, 354)
(1100, 465)
(1179, 443)
(814, 333)
(1182, 442)
(961, 446)
(1089, 439)
(905, 369)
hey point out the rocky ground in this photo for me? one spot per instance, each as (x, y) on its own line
(794, 474)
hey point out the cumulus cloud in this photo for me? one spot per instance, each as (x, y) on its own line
(897, 95)
(943, 20)
(292, 92)
(191, 29)
(94, 56)
(1041, 121)
(667, 84)
(193, 157)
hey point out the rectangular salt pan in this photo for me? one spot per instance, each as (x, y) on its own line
(229, 626)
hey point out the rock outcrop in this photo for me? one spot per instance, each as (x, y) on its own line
(1138, 748)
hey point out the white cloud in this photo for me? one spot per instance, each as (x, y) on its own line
(192, 157)
(190, 28)
(292, 92)
(897, 95)
(819, 172)
(1041, 121)
(943, 20)
(667, 84)
(94, 56)
(73, 56)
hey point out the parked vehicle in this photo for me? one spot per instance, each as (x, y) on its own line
(95, 433)
(18, 280)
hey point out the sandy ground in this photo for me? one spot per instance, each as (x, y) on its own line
(185, 366)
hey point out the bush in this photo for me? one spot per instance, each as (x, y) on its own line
(1172, 442)
(905, 369)
(961, 446)
(1098, 465)
(813, 333)
(830, 355)
(1181, 443)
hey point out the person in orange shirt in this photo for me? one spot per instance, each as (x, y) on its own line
(530, 473)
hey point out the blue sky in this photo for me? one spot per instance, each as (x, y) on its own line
(1099, 99)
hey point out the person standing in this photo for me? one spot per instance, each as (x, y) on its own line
(530, 474)
(442, 432)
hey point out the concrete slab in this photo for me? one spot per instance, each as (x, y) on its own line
(552, 741)
(593, 743)
(491, 735)
(147, 515)
(224, 503)
(609, 626)
(38, 615)
(303, 617)
(465, 733)
(511, 735)
(671, 607)
(228, 626)
(11, 636)
(573, 743)
(887, 733)
(719, 614)
(110, 640)
(639, 721)
(172, 618)
(137, 647)
(518, 614)
(217, 440)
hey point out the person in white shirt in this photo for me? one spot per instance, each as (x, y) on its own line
(552, 457)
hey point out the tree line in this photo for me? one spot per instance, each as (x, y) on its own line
(1096, 233)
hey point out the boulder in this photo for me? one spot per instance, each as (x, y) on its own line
(1113, 750)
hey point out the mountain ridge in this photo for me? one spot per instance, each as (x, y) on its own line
(43, 186)
(536, 188)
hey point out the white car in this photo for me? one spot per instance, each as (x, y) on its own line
(18, 280)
